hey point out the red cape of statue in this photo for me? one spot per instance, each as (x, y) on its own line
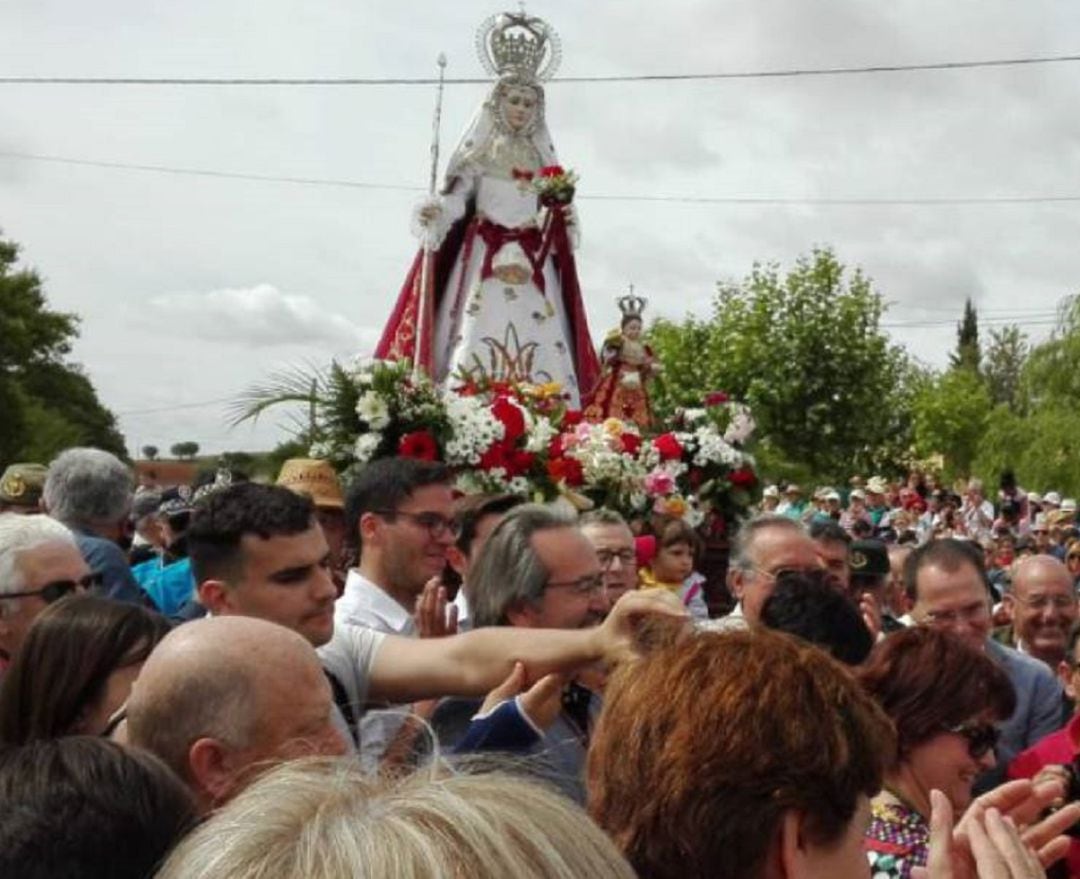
(398, 340)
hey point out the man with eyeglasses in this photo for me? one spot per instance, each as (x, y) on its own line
(39, 564)
(765, 549)
(613, 541)
(399, 512)
(538, 570)
(1042, 604)
(946, 584)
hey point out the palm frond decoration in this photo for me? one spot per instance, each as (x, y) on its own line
(304, 385)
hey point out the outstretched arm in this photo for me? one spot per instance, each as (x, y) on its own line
(407, 669)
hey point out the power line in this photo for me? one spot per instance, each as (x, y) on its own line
(785, 73)
(668, 199)
(202, 404)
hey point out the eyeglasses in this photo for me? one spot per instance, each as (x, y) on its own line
(982, 738)
(436, 524)
(951, 617)
(607, 557)
(781, 573)
(1042, 602)
(57, 589)
(591, 585)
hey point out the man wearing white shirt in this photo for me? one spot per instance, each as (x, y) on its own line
(400, 510)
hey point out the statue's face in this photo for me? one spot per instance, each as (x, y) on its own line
(519, 107)
(632, 329)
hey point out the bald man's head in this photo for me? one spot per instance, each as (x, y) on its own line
(221, 697)
(1044, 608)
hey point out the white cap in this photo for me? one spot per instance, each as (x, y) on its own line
(832, 495)
(1052, 497)
(771, 491)
(1033, 497)
(1069, 505)
(858, 493)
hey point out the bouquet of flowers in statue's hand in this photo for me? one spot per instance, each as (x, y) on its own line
(555, 185)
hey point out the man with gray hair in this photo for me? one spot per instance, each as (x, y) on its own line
(90, 491)
(538, 570)
(39, 563)
(765, 549)
(221, 699)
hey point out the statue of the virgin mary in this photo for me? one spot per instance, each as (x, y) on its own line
(506, 304)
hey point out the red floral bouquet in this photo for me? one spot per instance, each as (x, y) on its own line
(555, 185)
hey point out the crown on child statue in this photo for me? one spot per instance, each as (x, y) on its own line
(632, 305)
(518, 43)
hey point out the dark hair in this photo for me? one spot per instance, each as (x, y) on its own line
(1070, 645)
(385, 484)
(812, 609)
(946, 552)
(84, 806)
(861, 528)
(626, 318)
(223, 518)
(926, 679)
(828, 531)
(672, 531)
(753, 725)
(471, 509)
(64, 664)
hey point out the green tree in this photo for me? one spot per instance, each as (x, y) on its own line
(47, 402)
(1003, 364)
(950, 414)
(968, 354)
(807, 352)
(150, 452)
(185, 450)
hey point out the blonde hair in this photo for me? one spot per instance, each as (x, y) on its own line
(325, 819)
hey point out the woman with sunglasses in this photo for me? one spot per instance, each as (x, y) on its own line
(75, 669)
(944, 698)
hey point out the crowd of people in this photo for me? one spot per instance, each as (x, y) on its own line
(386, 679)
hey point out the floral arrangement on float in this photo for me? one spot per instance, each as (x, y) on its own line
(523, 439)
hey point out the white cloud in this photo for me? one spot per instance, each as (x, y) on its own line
(257, 317)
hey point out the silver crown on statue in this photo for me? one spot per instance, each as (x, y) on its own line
(515, 43)
(632, 305)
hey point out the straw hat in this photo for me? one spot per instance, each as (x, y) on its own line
(316, 479)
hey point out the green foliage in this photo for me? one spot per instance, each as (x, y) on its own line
(1039, 447)
(150, 452)
(806, 351)
(47, 403)
(951, 413)
(1003, 365)
(185, 450)
(968, 354)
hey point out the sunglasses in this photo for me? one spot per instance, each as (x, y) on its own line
(57, 589)
(981, 738)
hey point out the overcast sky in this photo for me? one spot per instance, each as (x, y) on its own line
(193, 287)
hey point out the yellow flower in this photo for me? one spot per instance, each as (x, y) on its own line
(675, 506)
(613, 427)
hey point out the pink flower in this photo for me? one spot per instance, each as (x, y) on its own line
(659, 483)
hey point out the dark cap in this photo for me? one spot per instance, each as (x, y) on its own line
(22, 485)
(869, 557)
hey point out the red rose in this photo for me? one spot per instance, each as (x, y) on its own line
(520, 462)
(512, 418)
(495, 456)
(631, 443)
(716, 398)
(743, 478)
(669, 448)
(572, 418)
(419, 444)
(566, 470)
(552, 171)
